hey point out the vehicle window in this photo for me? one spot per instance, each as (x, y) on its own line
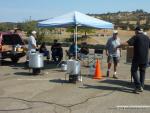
(12, 39)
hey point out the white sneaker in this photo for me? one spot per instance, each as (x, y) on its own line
(115, 76)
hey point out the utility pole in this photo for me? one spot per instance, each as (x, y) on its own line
(30, 18)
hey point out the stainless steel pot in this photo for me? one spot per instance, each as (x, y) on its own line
(36, 60)
(73, 67)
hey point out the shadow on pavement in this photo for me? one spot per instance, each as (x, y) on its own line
(59, 81)
(126, 84)
(122, 83)
(7, 63)
(118, 85)
(12, 64)
(122, 89)
(147, 87)
(23, 73)
(47, 64)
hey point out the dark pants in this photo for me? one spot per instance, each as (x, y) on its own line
(138, 80)
(57, 57)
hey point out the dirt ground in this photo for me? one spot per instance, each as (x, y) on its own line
(101, 36)
(124, 35)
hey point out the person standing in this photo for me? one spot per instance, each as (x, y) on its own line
(112, 53)
(32, 42)
(141, 44)
(31, 45)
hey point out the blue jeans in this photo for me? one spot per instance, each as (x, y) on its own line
(138, 80)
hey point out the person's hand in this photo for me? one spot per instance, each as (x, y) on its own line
(106, 53)
(120, 55)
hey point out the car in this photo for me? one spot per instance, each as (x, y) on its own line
(11, 46)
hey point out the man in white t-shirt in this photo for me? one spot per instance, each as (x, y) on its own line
(113, 53)
(32, 42)
(31, 45)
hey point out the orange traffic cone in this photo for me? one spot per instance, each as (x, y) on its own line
(98, 72)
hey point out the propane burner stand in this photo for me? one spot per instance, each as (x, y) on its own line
(36, 71)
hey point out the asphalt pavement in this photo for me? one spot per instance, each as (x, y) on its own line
(50, 92)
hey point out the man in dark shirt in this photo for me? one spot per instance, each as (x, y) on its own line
(57, 51)
(141, 44)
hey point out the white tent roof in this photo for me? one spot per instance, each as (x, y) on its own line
(75, 19)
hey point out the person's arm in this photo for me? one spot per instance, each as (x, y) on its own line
(130, 42)
(33, 46)
(43, 49)
(52, 47)
(122, 44)
(70, 49)
(87, 50)
(149, 42)
(106, 48)
(33, 42)
(120, 52)
(106, 52)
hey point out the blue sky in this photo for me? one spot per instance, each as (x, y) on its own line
(22, 10)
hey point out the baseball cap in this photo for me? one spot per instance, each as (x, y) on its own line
(138, 28)
(115, 32)
(33, 32)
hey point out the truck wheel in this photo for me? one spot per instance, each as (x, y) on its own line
(14, 60)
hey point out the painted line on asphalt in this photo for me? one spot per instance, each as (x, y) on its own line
(132, 79)
(133, 107)
(35, 79)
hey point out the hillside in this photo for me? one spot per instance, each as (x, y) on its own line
(124, 22)
(127, 20)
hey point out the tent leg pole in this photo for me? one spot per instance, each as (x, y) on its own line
(74, 33)
(76, 40)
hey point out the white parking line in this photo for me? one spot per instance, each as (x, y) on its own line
(35, 79)
(132, 79)
(133, 107)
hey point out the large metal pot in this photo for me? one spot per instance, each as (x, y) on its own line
(73, 67)
(36, 60)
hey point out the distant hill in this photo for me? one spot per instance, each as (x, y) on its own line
(122, 20)
(127, 20)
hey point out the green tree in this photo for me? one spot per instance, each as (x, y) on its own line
(84, 30)
(29, 26)
(6, 26)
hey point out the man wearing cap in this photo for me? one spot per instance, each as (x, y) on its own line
(112, 53)
(31, 45)
(32, 41)
(141, 44)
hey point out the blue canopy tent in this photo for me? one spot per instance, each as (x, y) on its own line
(76, 19)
